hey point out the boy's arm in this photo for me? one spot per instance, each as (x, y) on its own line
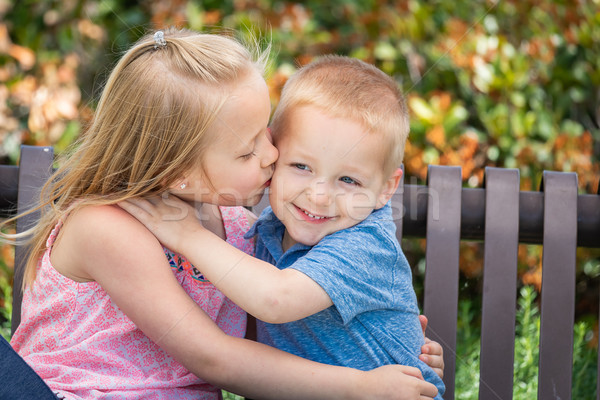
(270, 294)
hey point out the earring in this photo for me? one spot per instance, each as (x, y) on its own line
(182, 186)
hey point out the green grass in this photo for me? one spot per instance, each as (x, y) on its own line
(526, 353)
(231, 396)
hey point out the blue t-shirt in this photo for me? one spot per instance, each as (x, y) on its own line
(374, 318)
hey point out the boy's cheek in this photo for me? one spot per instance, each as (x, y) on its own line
(362, 200)
(360, 205)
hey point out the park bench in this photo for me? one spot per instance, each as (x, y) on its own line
(444, 213)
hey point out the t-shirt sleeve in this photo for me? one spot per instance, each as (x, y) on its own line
(356, 267)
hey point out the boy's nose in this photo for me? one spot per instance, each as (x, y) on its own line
(319, 193)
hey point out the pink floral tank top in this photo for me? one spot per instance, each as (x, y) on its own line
(85, 347)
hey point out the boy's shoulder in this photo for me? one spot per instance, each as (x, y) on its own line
(266, 221)
(379, 226)
(373, 237)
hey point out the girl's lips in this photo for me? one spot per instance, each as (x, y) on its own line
(267, 184)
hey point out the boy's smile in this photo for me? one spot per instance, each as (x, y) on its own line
(310, 217)
(329, 175)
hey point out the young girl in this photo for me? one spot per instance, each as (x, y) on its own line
(106, 313)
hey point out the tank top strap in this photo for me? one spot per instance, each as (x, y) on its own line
(54, 233)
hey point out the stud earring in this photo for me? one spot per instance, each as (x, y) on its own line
(182, 186)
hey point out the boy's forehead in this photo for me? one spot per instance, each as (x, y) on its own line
(351, 151)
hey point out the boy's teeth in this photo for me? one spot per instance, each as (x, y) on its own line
(312, 216)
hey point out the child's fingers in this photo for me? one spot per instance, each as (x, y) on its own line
(423, 321)
(151, 204)
(432, 347)
(135, 206)
(133, 209)
(412, 371)
(436, 363)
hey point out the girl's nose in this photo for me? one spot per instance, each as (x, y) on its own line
(268, 155)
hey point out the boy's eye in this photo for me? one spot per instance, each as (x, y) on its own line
(348, 180)
(303, 167)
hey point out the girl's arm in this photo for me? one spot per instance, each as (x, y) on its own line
(269, 294)
(109, 246)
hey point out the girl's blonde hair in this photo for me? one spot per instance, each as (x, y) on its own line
(348, 88)
(149, 127)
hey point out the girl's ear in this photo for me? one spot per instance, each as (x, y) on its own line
(389, 188)
(178, 185)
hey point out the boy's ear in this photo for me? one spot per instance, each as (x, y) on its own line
(389, 188)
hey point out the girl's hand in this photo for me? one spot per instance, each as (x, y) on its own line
(432, 352)
(398, 382)
(170, 219)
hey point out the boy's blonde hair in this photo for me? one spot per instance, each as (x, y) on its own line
(149, 127)
(349, 88)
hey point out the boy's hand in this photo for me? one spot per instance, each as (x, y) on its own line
(432, 352)
(170, 219)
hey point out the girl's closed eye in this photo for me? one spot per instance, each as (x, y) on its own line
(349, 181)
(247, 156)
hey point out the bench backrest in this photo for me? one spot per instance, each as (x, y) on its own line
(19, 191)
(498, 215)
(445, 213)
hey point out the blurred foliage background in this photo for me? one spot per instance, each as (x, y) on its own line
(508, 83)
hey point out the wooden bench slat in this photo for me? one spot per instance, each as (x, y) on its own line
(398, 209)
(558, 285)
(499, 283)
(441, 271)
(35, 168)
(9, 188)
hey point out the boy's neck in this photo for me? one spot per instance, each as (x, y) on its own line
(287, 241)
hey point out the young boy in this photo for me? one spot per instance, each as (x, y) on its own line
(342, 293)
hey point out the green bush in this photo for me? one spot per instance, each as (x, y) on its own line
(489, 83)
(5, 299)
(506, 83)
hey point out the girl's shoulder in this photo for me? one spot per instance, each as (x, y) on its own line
(99, 224)
(94, 235)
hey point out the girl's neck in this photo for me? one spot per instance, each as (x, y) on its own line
(211, 218)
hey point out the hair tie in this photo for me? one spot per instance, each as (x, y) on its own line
(159, 39)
